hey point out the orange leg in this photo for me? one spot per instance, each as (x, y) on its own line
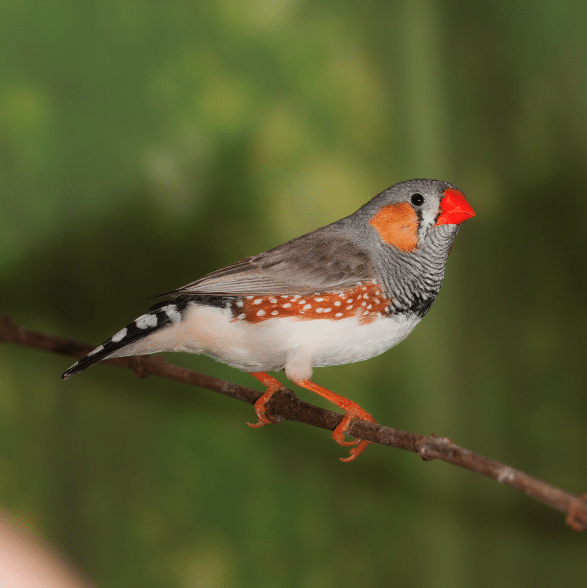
(273, 385)
(351, 409)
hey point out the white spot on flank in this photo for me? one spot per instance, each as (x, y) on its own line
(307, 307)
(366, 313)
(297, 296)
(286, 305)
(363, 304)
(258, 301)
(274, 312)
(364, 288)
(172, 312)
(239, 303)
(377, 293)
(302, 302)
(337, 303)
(273, 300)
(338, 314)
(327, 309)
(319, 299)
(240, 317)
(374, 281)
(260, 312)
(376, 301)
(119, 336)
(147, 320)
(349, 307)
(349, 301)
(369, 307)
(250, 297)
(284, 296)
(97, 350)
(319, 310)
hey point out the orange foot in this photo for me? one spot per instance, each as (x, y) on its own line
(351, 409)
(273, 385)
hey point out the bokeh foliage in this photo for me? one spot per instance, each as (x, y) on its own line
(143, 144)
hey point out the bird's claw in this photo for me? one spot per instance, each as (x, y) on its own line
(341, 430)
(356, 451)
(348, 443)
(261, 410)
(263, 420)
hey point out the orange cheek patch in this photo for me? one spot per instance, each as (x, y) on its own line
(397, 225)
(365, 300)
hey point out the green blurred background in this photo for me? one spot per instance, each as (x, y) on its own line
(143, 144)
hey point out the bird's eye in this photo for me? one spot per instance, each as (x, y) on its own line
(417, 199)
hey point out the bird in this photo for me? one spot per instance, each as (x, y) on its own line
(343, 293)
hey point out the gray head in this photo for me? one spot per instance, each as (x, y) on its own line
(409, 229)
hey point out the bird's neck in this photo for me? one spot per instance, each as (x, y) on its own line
(413, 279)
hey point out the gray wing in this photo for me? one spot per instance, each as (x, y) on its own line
(317, 262)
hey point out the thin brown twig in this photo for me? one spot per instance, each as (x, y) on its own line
(285, 405)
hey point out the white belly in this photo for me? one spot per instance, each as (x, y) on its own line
(282, 343)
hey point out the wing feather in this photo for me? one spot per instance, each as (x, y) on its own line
(319, 261)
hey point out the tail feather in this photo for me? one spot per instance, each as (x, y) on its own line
(159, 316)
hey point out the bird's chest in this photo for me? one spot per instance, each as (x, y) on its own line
(272, 332)
(324, 340)
(352, 339)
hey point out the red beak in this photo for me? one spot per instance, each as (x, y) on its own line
(455, 208)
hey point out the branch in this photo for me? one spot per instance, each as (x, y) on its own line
(285, 405)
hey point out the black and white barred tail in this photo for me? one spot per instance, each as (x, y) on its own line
(159, 316)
